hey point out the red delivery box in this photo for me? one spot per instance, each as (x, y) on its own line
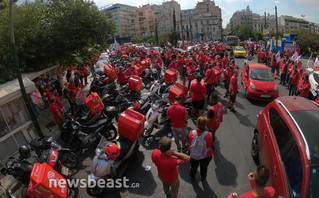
(177, 90)
(110, 72)
(139, 69)
(46, 182)
(170, 75)
(131, 124)
(135, 83)
(94, 103)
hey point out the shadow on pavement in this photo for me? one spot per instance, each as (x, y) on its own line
(226, 171)
(164, 131)
(243, 119)
(141, 182)
(259, 103)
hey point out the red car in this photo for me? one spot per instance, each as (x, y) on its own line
(286, 139)
(258, 81)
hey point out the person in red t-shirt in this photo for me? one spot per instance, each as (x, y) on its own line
(233, 89)
(225, 60)
(190, 71)
(121, 76)
(173, 65)
(129, 71)
(178, 114)
(233, 65)
(201, 124)
(56, 112)
(201, 64)
(210, 80)
(295, 75)
(167, 161)
(258, 180)
(198, 94)
(305, 88)
(228, 73)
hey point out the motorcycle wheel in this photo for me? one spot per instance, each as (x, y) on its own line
(65, 136)
(149, 140)
(110, 133)
(69, 160)
(147, 132)
(75, 145)
(94, 192)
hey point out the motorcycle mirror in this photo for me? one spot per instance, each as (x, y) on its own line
(4, 171)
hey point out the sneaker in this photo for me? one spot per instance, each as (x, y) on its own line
(185, 150)
(229, 107)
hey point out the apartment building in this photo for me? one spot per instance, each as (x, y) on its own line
(164, 16)
(204, 22)
(124, 17)
(239, 18)
(145, 18)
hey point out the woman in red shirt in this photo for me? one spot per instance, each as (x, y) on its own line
(295, 75)
(121, 76)
(201, 124)
(305, 88)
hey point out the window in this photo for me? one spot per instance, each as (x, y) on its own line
(15, 115)
(288, 150)
(213, 29)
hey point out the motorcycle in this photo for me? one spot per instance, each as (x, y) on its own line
(128, 150)
(84, 136)
(49, 151)
(160, 86)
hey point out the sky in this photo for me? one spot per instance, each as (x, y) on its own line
(306, 9)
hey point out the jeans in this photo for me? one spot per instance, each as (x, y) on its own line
(201, 71)
(292, 90)
(258, 60)
(283, 78)
(210, 89)
(226, 84)
(273, 69)
(203, 163)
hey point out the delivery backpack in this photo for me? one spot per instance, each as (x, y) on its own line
(198, 146)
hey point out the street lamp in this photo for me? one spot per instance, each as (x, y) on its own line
(16, 63)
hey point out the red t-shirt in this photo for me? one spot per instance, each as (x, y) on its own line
(173, 65)
(55, 111)
(199, 91)
(128, 72)
(228, 74)
(177, 114)
(294, 78)
(208, 138)
(166, 165)
(211, 76)
(225, 60)
(234, 82)
(306, 90)
(121, 76)
(270, 193)
(190, 72)
(158, 63)
(180, 62)
(317, 100)
(234, 66)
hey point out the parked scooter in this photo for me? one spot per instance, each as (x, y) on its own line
(61, 159)
(127, 151)
(156, 116)
(83, 136)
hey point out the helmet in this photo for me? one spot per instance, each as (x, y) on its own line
(112, 150)
(136, 106)
(24, 152)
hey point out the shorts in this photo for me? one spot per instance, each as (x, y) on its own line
(233, 98)
(179, 133)
(199, 104)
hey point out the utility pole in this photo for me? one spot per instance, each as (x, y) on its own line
(191, 27)
(15, 59)
(182, 29)
(265, 29)
(276, 30)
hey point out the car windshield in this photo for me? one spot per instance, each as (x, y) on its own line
(308, 122)
(240, 49)
(261, 74)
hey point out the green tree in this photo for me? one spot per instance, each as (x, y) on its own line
(244, 32)
(174, 35)
(51, 32)
(136, 39)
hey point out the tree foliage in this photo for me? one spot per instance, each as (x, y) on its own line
(173, 37)
(51, 32)
(307, 40)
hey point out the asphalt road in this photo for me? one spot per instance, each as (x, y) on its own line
(227, 172)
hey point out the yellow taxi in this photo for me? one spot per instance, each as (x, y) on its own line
(240, 52)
